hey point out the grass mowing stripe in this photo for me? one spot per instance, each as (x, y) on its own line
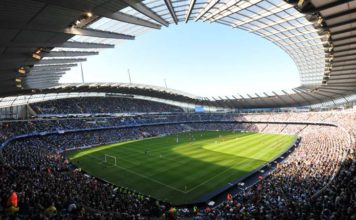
(141, 175)
(199, 163)
(227, 169)
(243, 145)
(243, 150)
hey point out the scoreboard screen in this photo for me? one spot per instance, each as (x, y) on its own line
(199, 109)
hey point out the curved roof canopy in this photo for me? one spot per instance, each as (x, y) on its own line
(41, 39)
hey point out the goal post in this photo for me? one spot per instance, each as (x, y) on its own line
(108, 159)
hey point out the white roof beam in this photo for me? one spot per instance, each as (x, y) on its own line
(70, 30)
(289, 95)
(50, 67)
(34, 78)
(143, 9)
(190, 9)
(103, 12)
(171, 10)
(283, 20)
(62, 61)
(277, 97)
(264, 13)
(96, 33)
(231, 7)
(207, 8)
(298, 93)
(41, 83)
(309, 94)
(122, 17)
(39, 79)
(44, 61)
(73, 44)
(68, 44)
(69, 53)
(43, 74)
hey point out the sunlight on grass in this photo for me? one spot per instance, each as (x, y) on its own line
(181, 168)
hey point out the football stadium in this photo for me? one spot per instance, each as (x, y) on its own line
(116, 150)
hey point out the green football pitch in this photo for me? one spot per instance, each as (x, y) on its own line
(181, 168)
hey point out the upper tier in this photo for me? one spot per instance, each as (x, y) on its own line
(101, 105)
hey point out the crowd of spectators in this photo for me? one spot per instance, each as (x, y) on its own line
(88, 105)
(316, 181)
(288, 192)
(43, 179)
(20, 127)
(47, 186)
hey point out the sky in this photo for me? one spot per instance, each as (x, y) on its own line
(199, 58)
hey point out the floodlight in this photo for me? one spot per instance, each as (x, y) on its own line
(89, 14)
(36, 56)
(21, 70)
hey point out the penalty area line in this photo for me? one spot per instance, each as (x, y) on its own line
(153, 180)
(146, 177)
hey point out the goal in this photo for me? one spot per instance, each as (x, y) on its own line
(108, 159)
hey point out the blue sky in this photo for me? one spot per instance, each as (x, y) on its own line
(199, 58)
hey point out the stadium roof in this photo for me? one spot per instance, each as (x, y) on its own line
(41, 40)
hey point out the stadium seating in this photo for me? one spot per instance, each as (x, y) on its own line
(101, 105)
(319, 172)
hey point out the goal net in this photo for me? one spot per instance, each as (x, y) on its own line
(110, 160)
